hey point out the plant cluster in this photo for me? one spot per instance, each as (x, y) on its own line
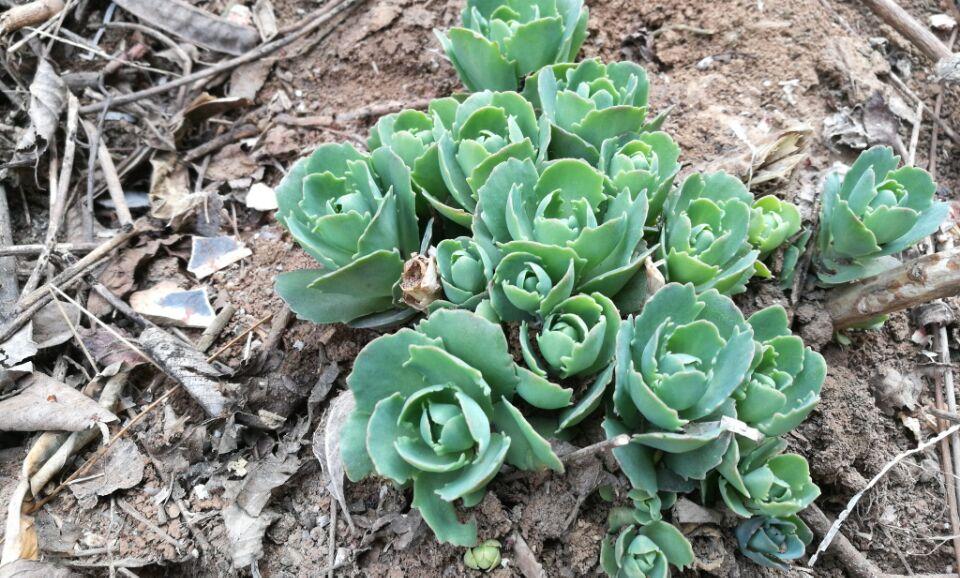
(555, 212)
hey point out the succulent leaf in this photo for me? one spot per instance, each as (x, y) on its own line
(645, 551)
(434, 405)
(355, 214)
(872, 212)
(706, 234)
(755, 480)
(773, 542)
(502, 41)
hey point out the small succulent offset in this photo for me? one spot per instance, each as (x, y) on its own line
(502, 41)
(871, 213)
(678, 365)
(644, 164)
(756, 479)
(772, 223)
(773, 542)
(411, 135)
(786, 377)
(484, 557)
(577, 337)
(585, 104)
(645, 551)
(524, 210)
(482, 132)
(646, 508)
(706, 234)
(355, 214)
(465, 269)
(433, 408)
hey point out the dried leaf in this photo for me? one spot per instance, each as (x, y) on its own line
(193, 24)
(262, 478)
(687, 512)
(247, 80)
(210, 254)
(265, 19)
(326, 445)
(245, 534)
(166, 303)
(45, 404)
(48, 96)
(188, 367)
(122, 469)
(169, 186)
(49, 327)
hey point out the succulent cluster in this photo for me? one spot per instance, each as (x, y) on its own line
(553, 215)
(872, 212)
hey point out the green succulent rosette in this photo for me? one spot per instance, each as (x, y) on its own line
(531, 280)
(485, 130)
(582, 105)
(355, 214)
(565, 206)
(465, 271)
(773, 542)
(785, 381)
(433, 409)
(411, 135)
(772, 223)
(645, 508)
(678, 364)
(642, 164)
(706, 234)
(871, 213)
(502, 41)
(757, 480)
(577, 337)
(645, 551)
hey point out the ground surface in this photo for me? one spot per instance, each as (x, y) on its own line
(732, 70)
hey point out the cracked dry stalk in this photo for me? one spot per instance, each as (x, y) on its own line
(921, 280)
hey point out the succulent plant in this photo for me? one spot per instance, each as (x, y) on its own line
(531, 280)
(755, 480)
(433, 408)
(645, 551)
(784, 383)
(791, 259)
(773, 542)
(484, 557)
(646, 164)
(482, 132)
(522, 209)
(465, 269)
(502, 41)
(772, 223)
(355, 214)
(411, 134)
(646, 508)
(585, 104)
(706, 234)
(577, 337)
(678, 364)
(871, 213)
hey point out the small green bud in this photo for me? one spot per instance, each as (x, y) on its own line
(484, 557)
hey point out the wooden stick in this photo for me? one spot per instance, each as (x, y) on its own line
(606, 445)
(323, 16)
(921, 280)
(37, 249)
(29, 14)
(918, 34)
(9, 291)
(109, 170)
(855, 562)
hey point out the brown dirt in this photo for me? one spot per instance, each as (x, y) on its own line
(723, 65)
